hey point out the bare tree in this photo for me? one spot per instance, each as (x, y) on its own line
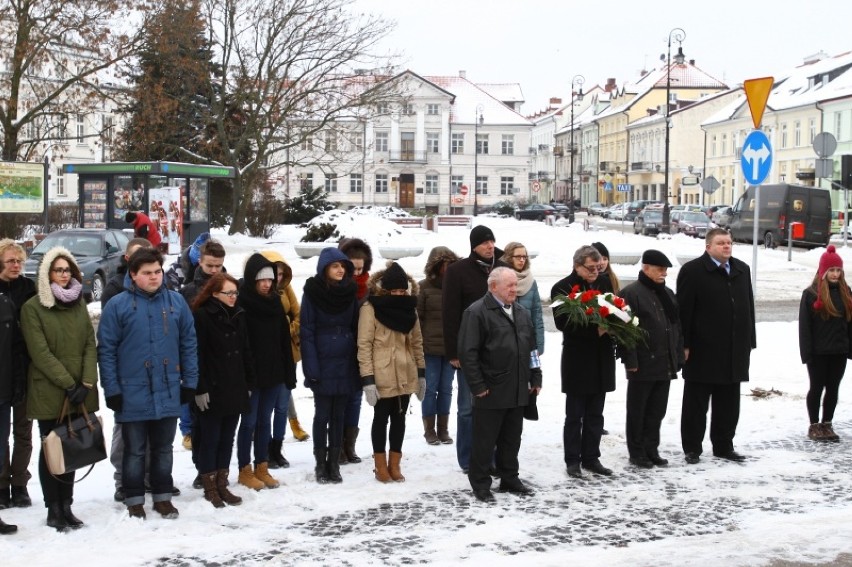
(289, 69)
(56, 60)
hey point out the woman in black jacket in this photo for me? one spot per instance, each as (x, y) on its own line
(269, 336)
(824, 340)
(225, 378)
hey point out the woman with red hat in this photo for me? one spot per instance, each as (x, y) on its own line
(825, 340)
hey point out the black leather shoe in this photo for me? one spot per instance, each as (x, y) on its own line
(5, 499)
(597, 468)
(575, 471)
(731, 456)
(6, 529)
(692, 458)
(20, 497)
(196, 483)
(658, 460)
(515, 486)
(175, 491)
(484, 495)
(642, 462)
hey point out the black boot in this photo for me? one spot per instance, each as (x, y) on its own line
(276, 457)
(20, 497)
(73, 521)
(320, 469)
(6, 529)
(333, 468)
(56, 517)
(350, 435)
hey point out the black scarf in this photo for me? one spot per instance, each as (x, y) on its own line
(259, 306)
(396, 312)
(331, 299)
(662, 295)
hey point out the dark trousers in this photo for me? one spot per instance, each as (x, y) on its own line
(825, 372)
(584, 423)
(158, 435)
(215, 452)
(328, 421)
(393, 410)
(54, 488)
(352, 414)
(724, 402)
(500, 428)
(646, 408)
(15, 465)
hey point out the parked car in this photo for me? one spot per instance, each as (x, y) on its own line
(561, 209)
(617, 212)
(98, 253)
(722, 216)
(535, 211)
(648, 222)
(838, 220)
(691, 223)
(635, 207)
(596, 209)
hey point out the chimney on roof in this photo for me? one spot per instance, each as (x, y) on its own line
(555, 100)
(692, 62)
(463, 74)
(610, 85)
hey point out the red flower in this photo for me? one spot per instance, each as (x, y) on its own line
(589, 310)
(586, 296)
(619, 302)
(575, 289)
(604, 311)
(573, 295)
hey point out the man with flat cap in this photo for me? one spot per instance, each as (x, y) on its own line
(652, 365)
(466, 281)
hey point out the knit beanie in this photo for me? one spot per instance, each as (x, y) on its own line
(830, 259)
(601, 248)
(265, 273)
(480, 234)
(394, 278)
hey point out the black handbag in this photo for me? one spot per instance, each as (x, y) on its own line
(531, 409)
(74, 443)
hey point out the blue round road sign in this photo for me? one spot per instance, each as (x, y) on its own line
(756, 159)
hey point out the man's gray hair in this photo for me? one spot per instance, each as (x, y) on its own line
(584, 252)
(497, 274)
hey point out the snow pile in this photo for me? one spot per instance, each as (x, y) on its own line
(367, 223)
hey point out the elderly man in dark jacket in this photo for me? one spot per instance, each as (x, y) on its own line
(496, 349)
(466, 281)
(716, 305)
(652, 365)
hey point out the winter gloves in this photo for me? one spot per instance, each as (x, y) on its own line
(202, 401)
(77, 394)
(186, 395)
(115, 403)
(421, 388)
(371, 394)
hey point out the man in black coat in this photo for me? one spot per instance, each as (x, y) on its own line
(496, 344)
(116, 282)
(587, 368)
(652, 365)
(466, 281)
(19, 290)
(716, 305)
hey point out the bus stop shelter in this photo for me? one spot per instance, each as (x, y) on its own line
(176, 196)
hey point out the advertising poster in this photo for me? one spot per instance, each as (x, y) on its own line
(21, 187)
(166, 211)
(94, 203)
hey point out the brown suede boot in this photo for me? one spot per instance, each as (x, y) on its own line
(226, 495)
(393, 466)
(429, 431)
(261, 472)
(828, 432)
(443, 431)
(381, 467)
(211, 492)
(299, 433)
(247, 478)
(815, 432)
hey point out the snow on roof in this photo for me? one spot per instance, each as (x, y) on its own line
(507, 92)
(469, 96)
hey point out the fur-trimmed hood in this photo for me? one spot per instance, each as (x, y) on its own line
(438, 256)
(45, 295)
(375, 283)
(354, 245)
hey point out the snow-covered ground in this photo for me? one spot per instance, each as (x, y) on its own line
(790, 501)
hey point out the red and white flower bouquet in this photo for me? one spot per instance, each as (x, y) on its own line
(604, 310)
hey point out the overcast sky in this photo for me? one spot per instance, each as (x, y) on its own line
(541, 44)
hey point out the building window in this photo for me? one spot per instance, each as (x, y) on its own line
(724, 150)
(382, 141)
(331, 183)
(456, 181)
(433, 142)
(330, 141)
(408, 109)
(381, 183)
(81, 128)
(812, 130)
(508, 147)
(108, 129)
(433, 109)
(307, 142)
(359, 142)
(784, 135)
(713, 147)
(457, 144)
(355, 183)
(382, 108)
(60, 183)
(797, 133)
(482, 143)
(431, 185)
(507, 185)
(306, 181)
(482, 185)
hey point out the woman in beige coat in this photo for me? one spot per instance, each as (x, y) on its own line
(391, 362)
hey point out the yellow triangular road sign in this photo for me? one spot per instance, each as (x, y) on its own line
(757, 93)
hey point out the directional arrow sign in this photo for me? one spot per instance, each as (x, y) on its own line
(756, 159)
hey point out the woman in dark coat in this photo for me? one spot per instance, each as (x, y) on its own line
(588, 371)
(825, 340)
(225, 378)
(329, 354)
(269, 337)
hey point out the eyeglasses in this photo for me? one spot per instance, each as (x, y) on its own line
(591, 269)
(233, 293)
(61, 270)
(520, 257)
(13, 261)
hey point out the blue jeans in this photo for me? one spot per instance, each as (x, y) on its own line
(279, 418)
(159, 434)
(464, 425)
(5, 428)
(328, 421)
(439, 386)
(352, 415)
(219, 432)
(185, 420)
(256, 426)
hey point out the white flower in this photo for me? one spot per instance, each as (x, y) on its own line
(635, 321)
(604, 301)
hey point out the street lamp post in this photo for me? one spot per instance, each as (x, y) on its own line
(477, 122)
(577, 81)
(678, 35)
